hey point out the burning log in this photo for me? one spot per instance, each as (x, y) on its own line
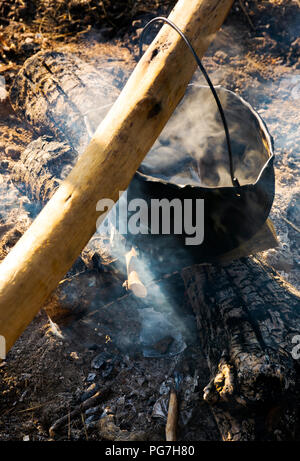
(248, 327)
(48, 249)
(171, 425)
(133, 283)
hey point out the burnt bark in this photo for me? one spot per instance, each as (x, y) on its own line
(247, 318)
(64, 99)
(61, 95)
(42, 165)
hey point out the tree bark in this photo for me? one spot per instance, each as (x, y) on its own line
(247, 318)
(42, 167)
(61, 95)
(64, 99)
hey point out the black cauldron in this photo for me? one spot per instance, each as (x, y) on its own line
(190, 161)
(215, 150)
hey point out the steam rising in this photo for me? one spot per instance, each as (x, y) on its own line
(157, 312)
(192, 147)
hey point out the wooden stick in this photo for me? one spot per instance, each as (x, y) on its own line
(40, 259)
(134, 283)
(172, 417)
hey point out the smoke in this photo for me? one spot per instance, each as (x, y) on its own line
(77, 100)
(192, 147)
(161, 315)
(14, 214)
(190, 150)
(279, 105)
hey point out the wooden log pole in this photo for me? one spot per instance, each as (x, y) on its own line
(48, 249)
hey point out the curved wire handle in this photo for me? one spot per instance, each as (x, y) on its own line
(234, 180)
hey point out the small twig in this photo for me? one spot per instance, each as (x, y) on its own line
(85, 31)
(84, 425)
(36, 406)
(68, 279)
(6, 412)
(246, 14)
(134, 283)
(291, 224)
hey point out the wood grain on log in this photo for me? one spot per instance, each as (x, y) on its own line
(63, 98)
(247, 319)
(42, 167)
(55, 91)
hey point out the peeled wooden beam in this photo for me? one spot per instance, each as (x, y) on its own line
(47, 250)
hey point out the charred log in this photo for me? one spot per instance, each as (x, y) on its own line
(56, 92)
(63, 99)
(43, 164)
(247, 318)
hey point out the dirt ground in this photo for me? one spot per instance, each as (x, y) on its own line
(72, 349)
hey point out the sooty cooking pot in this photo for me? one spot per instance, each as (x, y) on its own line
(190, 161)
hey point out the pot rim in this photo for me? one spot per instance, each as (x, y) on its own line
(263, 127)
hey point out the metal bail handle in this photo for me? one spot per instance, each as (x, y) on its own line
(234, 180)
